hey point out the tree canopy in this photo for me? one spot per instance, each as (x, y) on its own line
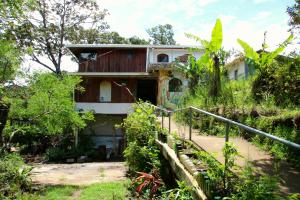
(294, 12)
(92, 36)
(48, 25)
(162, 35)
(45, 106)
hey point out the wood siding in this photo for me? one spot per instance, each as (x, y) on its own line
(115, 60)
(92, 90)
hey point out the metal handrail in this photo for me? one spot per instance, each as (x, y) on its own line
(229, 122)
(250, 129)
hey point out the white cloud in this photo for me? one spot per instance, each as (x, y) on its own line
(132, 17)
(260, 1)
(263, 15)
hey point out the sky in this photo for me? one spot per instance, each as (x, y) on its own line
(244, 19)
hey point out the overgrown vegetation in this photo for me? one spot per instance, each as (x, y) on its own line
(143, 156)
(42, 113)
(268, 100)
(14, 176)
(141, 153)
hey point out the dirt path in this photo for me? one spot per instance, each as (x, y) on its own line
(78, 173)
(263, 161)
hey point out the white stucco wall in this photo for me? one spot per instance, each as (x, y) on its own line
(105, 108)
(172, 53)
(241, 70)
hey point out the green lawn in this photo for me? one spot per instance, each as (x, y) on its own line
(103, 191)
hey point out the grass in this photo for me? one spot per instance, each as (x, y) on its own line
(106, 191)
(114, 190)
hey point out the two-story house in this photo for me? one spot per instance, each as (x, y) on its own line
(116, 75)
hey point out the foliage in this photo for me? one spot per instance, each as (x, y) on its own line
(137, 40)
(10, 55)
(162, 35)
(279, 80)
(294, 12)
(221, 174)
(46, 108)
(141, 153)
(66, 149)
(92, 36)
(250, 186)
(264, 59)
(150, 181)
(14, 176)
(210, 63)
(47, 25)
(9, 62)
(183, 192)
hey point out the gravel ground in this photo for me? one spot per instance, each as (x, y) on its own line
(78, 173)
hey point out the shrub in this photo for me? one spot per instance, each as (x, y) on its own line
(14, 176)
(250, 186)
(67, 150)
(279, 80)
(183, 192)
(140, 126)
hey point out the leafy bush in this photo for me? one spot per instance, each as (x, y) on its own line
(45, 108)
(140, 127)
(279, 79)
(250, 186)
(67, 150)
(183, 192)
(14, 176)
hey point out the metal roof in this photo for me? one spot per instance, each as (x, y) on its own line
(129, 46)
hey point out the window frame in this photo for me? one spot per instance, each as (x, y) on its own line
(166, 56)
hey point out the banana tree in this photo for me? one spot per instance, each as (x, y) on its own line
(264, 59)
(210, 61)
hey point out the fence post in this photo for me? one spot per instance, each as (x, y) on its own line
(162, 119)
(227, 132)
(169, 122)
(226, 157)
(190, 123)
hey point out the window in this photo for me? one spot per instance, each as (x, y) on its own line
(105, 91)
(87, 56)
(236, 74)
(175, 85)
(162, 58)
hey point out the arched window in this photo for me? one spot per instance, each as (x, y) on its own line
(162, 58)
(175, 85)
(105, 91)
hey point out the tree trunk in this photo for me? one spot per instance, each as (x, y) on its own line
(215, 87)
(3, 118)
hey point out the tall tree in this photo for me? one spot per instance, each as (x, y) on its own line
(162, 34)
(49, 25)
(137, 40)
(294, 12)
(212, 59)
(93, 36)
(10, 56)
(45, 107)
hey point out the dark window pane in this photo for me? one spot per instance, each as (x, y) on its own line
(162, 58)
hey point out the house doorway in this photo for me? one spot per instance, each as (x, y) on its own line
(147, 90)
